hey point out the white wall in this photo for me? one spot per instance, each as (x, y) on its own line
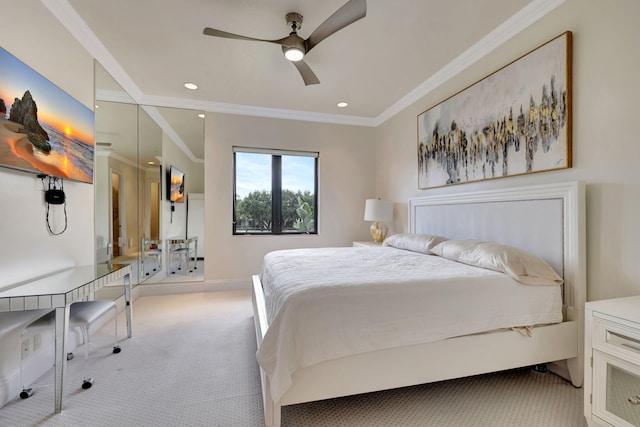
(27, 249)
(606, 151)
(346, 179)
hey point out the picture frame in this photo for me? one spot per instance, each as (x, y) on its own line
(43, 130)
(175, 185)
(515, 121)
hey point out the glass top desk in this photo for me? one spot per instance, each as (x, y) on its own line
(58, 291)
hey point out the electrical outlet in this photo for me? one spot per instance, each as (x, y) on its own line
(25, 349)
(37, 342)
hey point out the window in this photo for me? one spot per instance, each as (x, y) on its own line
(275, 191)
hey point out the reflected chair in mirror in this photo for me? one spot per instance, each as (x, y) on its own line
(153, 251)
(185, 252)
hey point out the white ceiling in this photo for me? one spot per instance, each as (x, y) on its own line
(378, 64)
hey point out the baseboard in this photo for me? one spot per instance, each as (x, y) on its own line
(173, 288)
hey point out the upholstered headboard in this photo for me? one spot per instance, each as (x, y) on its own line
(546, 220)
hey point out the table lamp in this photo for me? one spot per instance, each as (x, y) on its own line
(379, 211)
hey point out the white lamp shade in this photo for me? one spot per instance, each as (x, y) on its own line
(378, 210)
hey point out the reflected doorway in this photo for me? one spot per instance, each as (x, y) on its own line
(116, 211)
(154, 205)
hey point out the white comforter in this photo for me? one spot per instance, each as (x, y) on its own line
(328, 303)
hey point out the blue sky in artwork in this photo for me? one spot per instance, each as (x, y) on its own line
(55, 107)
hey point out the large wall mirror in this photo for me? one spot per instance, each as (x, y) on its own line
(136, 148)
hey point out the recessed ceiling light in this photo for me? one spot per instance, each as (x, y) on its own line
(201, 115)
(97, 106)
(191, 86)
(151, 163)
(342, 104)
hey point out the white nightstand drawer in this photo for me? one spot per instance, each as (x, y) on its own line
(620, 404)
(617, 339)
(612, 379)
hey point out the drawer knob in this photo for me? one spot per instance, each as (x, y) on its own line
(634, 400)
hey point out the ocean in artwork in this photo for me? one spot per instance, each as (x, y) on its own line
(72, 155)
(69, 158)
(43, 129)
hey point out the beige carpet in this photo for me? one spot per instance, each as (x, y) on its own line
(191, 362)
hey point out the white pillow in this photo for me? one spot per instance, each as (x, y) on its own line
(422, 243)
(520, 265)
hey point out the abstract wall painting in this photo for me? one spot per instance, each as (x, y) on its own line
(515, 121)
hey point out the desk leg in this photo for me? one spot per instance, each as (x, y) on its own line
(62, 332)
(195, 256)
(188, 257)
(127, 302)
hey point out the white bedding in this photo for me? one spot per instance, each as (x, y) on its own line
(376, 298)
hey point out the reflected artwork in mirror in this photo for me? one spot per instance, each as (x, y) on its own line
(175, 185)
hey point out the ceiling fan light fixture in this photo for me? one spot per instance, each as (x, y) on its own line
(293, 54)
(295, 47)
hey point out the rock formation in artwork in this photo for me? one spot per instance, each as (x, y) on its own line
(3, 107)
(25, 112)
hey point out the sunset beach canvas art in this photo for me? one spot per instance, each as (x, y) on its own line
(43, 129)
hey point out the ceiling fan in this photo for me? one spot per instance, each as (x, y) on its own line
(295, 47)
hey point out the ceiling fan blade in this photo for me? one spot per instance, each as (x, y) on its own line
(218, 33)
(347, 14)
(305, 71)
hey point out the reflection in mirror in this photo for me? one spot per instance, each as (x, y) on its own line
(107, 89)
(134, 222)
(183, 223)
(150, 161)
(115, 181)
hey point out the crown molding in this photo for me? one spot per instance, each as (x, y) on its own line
(249, 110)
(524, 18)
(500, 35)
(112, 154)
(113, 96)
(70, 19)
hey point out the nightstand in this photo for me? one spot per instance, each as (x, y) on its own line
(368, 244)
(612, 362)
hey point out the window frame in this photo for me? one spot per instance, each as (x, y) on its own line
(276, 190)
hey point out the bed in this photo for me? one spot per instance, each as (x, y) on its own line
(546, 221)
